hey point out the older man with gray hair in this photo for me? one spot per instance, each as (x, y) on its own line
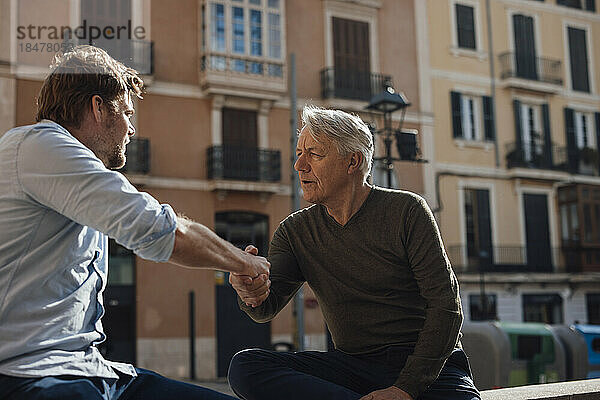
(375, 260)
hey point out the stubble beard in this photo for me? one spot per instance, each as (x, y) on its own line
(115, 157)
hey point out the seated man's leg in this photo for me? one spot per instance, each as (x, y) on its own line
(262, 375)
(149, 385)
(52, 388)
(455, 381)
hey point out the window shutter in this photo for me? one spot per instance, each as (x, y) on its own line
(590, 5)
(518, 134)
(572, 152)
(547, 136)
(488, 118)
(525, 54)
(465, 25)
(456, 115)
(579, 60)
(484, 225)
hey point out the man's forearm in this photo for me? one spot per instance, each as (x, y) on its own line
(197, 246)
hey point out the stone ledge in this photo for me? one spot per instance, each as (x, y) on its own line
(576, 390)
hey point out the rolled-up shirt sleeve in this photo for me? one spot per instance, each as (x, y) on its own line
(57, 171)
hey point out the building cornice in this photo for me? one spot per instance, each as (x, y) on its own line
(533, 277)
(159, 182)
(552, 8)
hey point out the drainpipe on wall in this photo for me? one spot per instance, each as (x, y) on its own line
(298, 310)
(493, 80)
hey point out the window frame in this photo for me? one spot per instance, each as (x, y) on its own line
(455, 49)
(493, 316)
(464, 185)
(558, 301)
(264, 59)
(480, 138)
(357, 12)
(567, 57)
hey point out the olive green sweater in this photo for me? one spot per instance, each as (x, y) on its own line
(382, 279)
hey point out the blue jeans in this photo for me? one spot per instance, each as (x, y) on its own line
(147, 385)
(263, 375)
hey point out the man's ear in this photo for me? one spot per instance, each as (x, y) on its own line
(354, 164)
(97, 108)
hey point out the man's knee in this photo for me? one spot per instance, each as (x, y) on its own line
(241, 366)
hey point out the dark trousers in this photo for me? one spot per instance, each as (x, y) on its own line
(146, 386)
(263, 375)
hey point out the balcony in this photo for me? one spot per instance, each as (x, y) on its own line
(535, 73)
(243, 164)
(220, 73)
(583, 161)
(352, 85)
(138, 157)
(536, 155)
(504, 259)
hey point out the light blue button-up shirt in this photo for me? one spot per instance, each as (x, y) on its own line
(58, 203)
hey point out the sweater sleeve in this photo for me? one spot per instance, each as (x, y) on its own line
(439, 287)
(286, 279)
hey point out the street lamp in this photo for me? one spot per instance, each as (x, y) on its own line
(387, 102)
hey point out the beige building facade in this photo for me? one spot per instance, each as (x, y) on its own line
(514, 94)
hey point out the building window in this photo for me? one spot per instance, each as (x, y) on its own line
(588, 5)
(582, 130)
(531, 131)
(218, 27)
(480, 311)
(592, 301)
(247, 30)
(274, 36)
(579, 207)
(578, 57)
(525, 58)
(544, 308)
(472, 117)
(478, 228)
(465, 26)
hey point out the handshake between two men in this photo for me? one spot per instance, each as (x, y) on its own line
(252, 290)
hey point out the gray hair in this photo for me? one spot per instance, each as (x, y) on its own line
(348, 132)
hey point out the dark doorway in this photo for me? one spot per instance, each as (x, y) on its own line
(119, 304)
(538, 251)
(235, 330)
(525, 54)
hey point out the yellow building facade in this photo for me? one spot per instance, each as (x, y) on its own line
(514, 93)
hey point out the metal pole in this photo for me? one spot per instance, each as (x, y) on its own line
(298, 310)
(387, 127)
(192, 332)
(492, 80)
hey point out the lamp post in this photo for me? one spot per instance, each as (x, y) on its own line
(387, 102)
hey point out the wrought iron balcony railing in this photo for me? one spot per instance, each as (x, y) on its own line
(536, 155)
(138, 156)
(583, 161)
(243, 163)
(353, 85)
(533, 68)
(505, 259)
